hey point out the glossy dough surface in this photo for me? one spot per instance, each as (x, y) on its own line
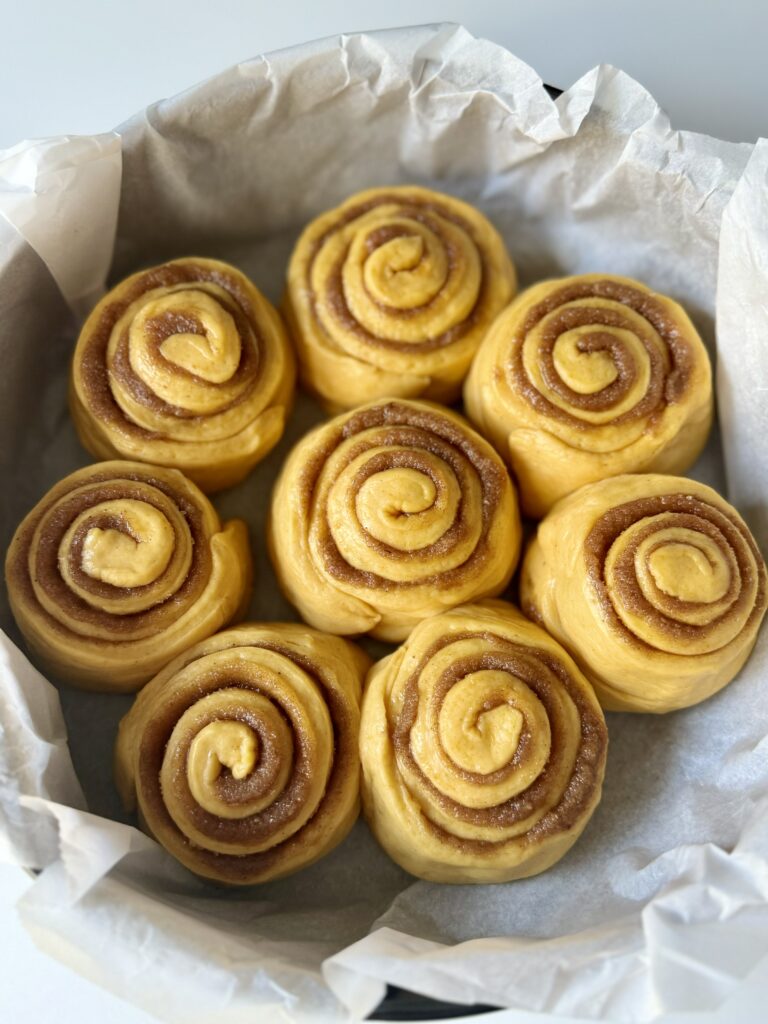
(119, 568)
(390, 294)
(587, 377)
(653, 583)
(185, 365)
(241, 755)
(388, 514)
(483, 748)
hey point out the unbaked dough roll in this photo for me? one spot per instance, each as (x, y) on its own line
(653, 583)
(483, 748)
(241, 755)
(390, 294)
(119, 568)
(586, 377)
(185, 365)
(388, 514)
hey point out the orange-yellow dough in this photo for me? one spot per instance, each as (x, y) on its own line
(390, 294)
(483, 748)
(241, 755)
(185, 365)
(653, 583)
(586, 377)
(119, 568)
(388, 514)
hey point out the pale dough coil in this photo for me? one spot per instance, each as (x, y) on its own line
(119, 568)
(483, 748)
(241, 755)
(388, 514)
(390, 294)
(185, 365)
(653, 583)
(587, 377)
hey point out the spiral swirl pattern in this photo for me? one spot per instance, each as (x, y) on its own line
(483, 748)
(588, 377)
(388, 514)
(654, 584)
(241, 755)
(118, 568)
(390, 294)
(184, 365)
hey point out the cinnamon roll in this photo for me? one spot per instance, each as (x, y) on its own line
(653, 583)
(186, 365)
(483, 748)
(241, 755)
(388, 514)
(587, 377)
(390, 294)
(119, 568)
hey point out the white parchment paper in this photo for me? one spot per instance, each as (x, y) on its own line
(663, 903)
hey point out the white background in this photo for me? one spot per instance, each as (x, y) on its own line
(84, 66)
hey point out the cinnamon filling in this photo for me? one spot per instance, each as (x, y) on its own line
(289, 802)
(100, 488)
(416, 430)
(681, 510)
(96, 375)
(664, 387)
(544, 675)
(414, 209)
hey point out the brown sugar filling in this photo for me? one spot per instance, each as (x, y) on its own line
(257, 827)
(102, 487)
(418, 430)
(543, 674)
(664, 387)
(685, 510)
(92, 351)
(415, 209)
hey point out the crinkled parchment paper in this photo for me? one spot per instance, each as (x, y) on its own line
(663, 903)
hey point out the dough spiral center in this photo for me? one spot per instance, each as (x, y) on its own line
(406, 271)
(583, 361)
(592, 362)
(690, 567)
(132, 556)
(392, 500)
(205, 342)
(408, 509)
(481, 735)
(185, 347)
(235, 767)
(220, 745)
(479, 729)
(123, 555)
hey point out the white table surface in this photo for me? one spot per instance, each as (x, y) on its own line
(83, 66)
